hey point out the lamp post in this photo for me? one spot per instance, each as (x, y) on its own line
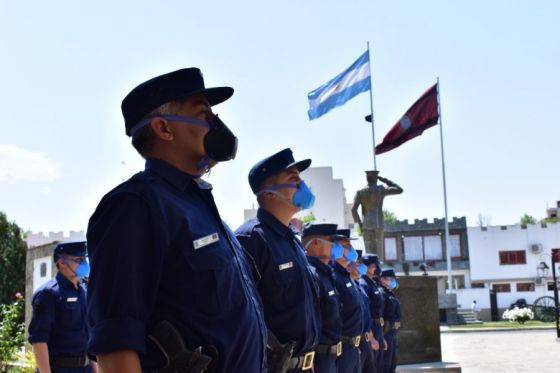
(542, 270)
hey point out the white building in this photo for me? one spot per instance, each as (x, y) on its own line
(330, 199)
(39, 239)
(505, 259)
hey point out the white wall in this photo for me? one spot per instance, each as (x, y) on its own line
(39, 238)
(484, 247)
(39, 280)
(466, 296)
(330, 199)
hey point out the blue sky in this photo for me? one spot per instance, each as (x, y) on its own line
(66, 66)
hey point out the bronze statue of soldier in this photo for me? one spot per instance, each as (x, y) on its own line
(372, 222)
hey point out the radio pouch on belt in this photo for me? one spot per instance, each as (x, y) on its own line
(278, 354)
(179, 359)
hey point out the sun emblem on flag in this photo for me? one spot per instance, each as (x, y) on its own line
(405, 122)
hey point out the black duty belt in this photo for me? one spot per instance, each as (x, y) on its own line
(303, 362)
(68, 362)
(379, 321)
(391, 326)
(354, 341)
(335, 349)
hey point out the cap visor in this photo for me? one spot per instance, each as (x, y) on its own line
(217, 95)
(300, 165)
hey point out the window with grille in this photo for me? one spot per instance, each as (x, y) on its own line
(511, 257)
(391, 249)
(501, 288)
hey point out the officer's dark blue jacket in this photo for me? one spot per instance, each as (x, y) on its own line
(287, 286)
(331, 323)
(59, 317)
(376, 304)
(366, 316)
(392, 308)
(375, 294)
(159, 251)
(350, 298)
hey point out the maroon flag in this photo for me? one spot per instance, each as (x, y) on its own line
(422, 115)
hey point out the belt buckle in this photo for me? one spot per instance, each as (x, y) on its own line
(357, 341)
(382, 321)
(338, 349)
(308, 360)
(397, 325)
(366, 336)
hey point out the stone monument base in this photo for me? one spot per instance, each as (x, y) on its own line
(419, 338)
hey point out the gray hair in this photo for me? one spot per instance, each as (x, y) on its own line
(143, 139)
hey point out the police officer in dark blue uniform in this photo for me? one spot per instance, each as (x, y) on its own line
(392, 317)
(358, 269)
(171, 289)
(320, 242)
(287, 286)
(352, 312)
(58, 329)
(370, 282)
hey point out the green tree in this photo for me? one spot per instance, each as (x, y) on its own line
(308, 218)
(527, 219)
(12, 260)
(550, 220)
(12, 331)
(389, 216)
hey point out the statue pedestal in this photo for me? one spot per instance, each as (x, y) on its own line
(419, 338)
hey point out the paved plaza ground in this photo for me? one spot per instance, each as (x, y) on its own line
(503, 351)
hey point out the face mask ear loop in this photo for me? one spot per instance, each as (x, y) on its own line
(203, 164)
(271, 189)
(65, 261)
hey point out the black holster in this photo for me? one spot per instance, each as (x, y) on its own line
(179, 358)
(278, 354)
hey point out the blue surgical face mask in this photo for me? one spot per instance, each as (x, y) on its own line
(393, 283)
(82, 270)
(337, 250)
(362, 269)
(302, 198)
(352, 254)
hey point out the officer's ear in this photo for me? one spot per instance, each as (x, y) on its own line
(162, 129)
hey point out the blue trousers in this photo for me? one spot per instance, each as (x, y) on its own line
(367, 360)
(378, 355)
(390, 356)
(349, 361)
(325, 363)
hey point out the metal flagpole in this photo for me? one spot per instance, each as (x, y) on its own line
(447, 246)
(371, 106)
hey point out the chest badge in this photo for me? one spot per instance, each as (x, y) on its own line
(348, 284)
(284, 266)
(206, 240)
(331, 293)
(72, 299)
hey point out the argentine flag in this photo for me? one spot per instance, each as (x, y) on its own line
(343, 87)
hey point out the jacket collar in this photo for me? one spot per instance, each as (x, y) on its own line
(173, 175)
(269, 220)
